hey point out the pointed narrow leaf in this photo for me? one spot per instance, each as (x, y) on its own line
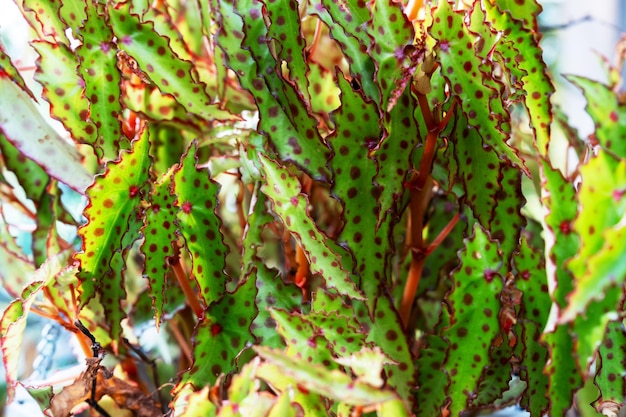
(24, 127)
(64, 90)
(303, 340)
(114, 198)
(168, 71)
(562, 370)
(283, 190)
(221, 335)
(474, 302)
(600, 263)
(471, 82)
(283, 117)
(536, 83)
(197, 199)
(610, 375)
(159, 228)
(98, 64)
(43, 16)
(559, 198)
(7, 69)
(387, 332)
(392, 50)
(329, 383)
(607, 114)
(31, 176)
(272, 293)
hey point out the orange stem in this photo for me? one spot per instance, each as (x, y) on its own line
(443, 234)
(182, 341)
(183, 280)
(410, 288)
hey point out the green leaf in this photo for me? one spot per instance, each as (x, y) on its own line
(200, 225)
(17, 269)
(562, 208)
(474, 303)
(289, 42)
(31, 176)
(393, 154)
(221, 335)
(283, 116)
(534, 359)
(357, 131)
(607, 114)
(197, 404)
(114, 198)
(600, 262)
(159, 235)
(43, 16)
(303, 340)
(562, 370)
(431, 376)
(26, 129)
(609, 377)
(479, 172)
(8, 69)
(346, 27)
(520, 24)
(98, 63)
(329, 383)
(471, 81)
(165, 69)
(392, 49)
(508, 222)
(283, 190)
(272, 293)
(386, 332)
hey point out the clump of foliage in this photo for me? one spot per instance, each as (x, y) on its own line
(320, 202)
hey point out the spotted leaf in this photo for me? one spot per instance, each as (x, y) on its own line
(599, 266)
(31, 176)
(43, 16)
(272, 293)
(114, 198)
(520, 24)
(387, 332)
(345, 26)
(283, 117)
(200, 225)
(357, 130)
(469, 81)
(159, 234)
(392, 50)
(26, 129)
(329, 383)
(221, 335)
(562, 370)
(609, 377)
(98, 67)
(474, 303)
(283, 190)
(303, 339)
(607, 114)
(63, 88)
(560, 201)
(164, 68)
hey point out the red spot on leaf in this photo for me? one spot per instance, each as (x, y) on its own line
(186, 207)
(133, 190)
(216, 329)
(613, 116)
(565, 227)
